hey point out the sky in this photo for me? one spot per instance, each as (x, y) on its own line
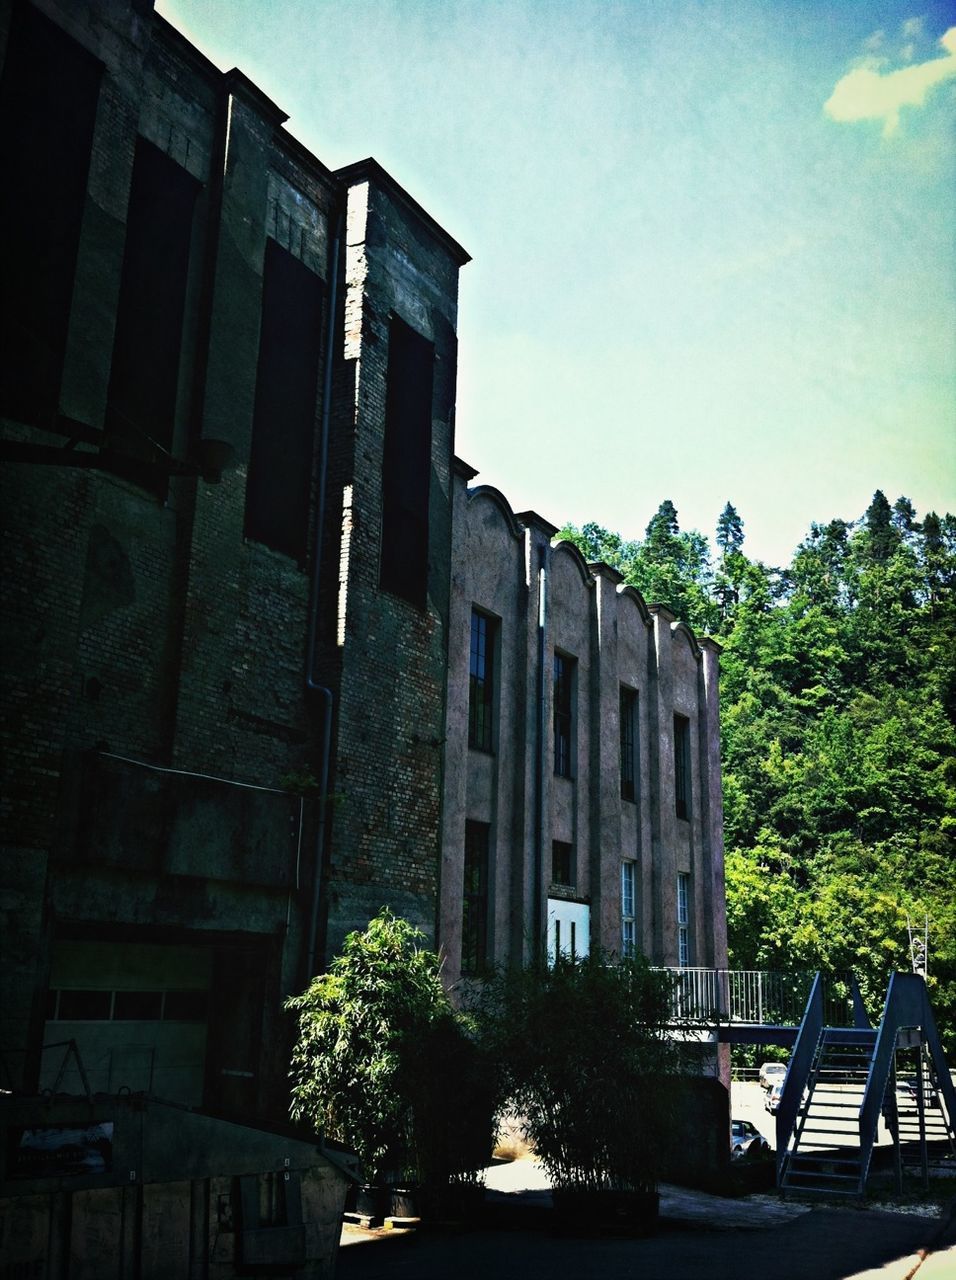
(714, 243)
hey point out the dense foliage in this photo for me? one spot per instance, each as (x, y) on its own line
(375, 1032)
(838, 721)
(586, 1061)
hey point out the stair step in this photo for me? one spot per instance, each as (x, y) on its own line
(812, 1159)
(819, 1175)
(840, 1133)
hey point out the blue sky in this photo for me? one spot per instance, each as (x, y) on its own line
(713, 243)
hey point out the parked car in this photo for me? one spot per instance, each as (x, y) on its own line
(770, 1073)
(746, 1140)
(906, 1094)
(773, 1098)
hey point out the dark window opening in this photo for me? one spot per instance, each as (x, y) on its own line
(682, 766)
(481, 681)
(474, 922)
(563, 714)
(562, 863)
(84, 1006)
(144, 377)
(283, 433)
(406, 464)
(131, 1006)
(628, 744)
(48, 101)
(126, 1006)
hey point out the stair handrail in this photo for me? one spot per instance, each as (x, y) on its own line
(798, 1069)
(944, 1081)
(907, 1005)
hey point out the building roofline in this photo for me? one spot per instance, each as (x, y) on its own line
(369, 170)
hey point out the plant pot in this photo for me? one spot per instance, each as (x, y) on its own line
(373, 1202)
(585, 1211)
(405, 1202)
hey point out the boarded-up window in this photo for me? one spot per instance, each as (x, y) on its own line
(406, 464)
(48, 98)
(149, 318)
(280, 464)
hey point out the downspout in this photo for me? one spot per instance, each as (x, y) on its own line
(320, 695)
(539, 748)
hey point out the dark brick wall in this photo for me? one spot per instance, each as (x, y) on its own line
(390, 725)
(150, 628)
(140, 622)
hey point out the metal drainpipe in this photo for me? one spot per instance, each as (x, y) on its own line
(539, 747)
(318, 693)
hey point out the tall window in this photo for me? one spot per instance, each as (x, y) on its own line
(563, 714)
(474, 918)
(628, 744)
(48, 100)
(481, 681)
(406, 464)
(562, 863)
(628, 923)
(683, 919)
(144, 377)
(682, 766)
(283, 431)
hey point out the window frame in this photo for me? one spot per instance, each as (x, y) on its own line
(627, 712)
(482, 685)
(566, 852)
(683, 919)
(628, 906)
(564, 690)
(682, 780)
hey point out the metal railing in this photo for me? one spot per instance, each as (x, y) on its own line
(760, 997)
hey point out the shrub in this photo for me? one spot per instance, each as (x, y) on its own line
(588, 1067)
(356, 1024)
(384, 1064)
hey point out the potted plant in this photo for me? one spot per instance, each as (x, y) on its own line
(592, 1075)
(356, 1022)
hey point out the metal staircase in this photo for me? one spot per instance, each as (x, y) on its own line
(917, 1114)
(841, 1080)
(824, 1155)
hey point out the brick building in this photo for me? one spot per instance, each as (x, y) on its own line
(243, 572)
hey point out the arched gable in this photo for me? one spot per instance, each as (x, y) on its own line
(689, 636)
(497, 498)
(568, 548)
(631, 593)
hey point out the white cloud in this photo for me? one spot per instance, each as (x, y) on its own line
(874, 42)
(867, 94)
(912, 28)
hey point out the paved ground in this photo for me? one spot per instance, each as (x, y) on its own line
(699, 1236)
